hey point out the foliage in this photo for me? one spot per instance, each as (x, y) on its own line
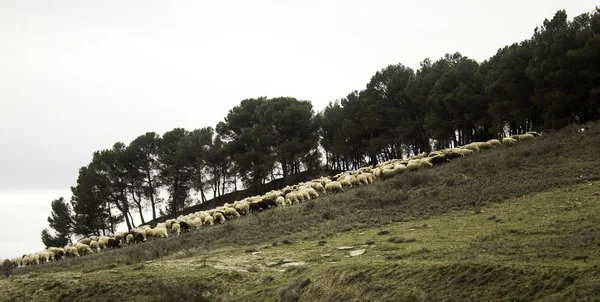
(548, 81)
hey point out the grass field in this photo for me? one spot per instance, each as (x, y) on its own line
(509, 224)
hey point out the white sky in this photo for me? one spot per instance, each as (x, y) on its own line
(78, 76)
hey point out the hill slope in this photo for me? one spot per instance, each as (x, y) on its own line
(514, 223)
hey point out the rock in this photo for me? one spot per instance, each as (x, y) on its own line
(294, 264)
(326, 255)
(77, 277)
(287, 260)
(357, 253)
(114, 271)
(271, 264)
(344, 248)
(255, 253)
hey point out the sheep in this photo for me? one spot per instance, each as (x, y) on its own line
(113, 243)
(280, 201)
(312, 193)
(387, 173)
(136, 237)
(83, 249)
(197, 223)
(243, 208)
(120, 236)
(472, 146)
(292, 197)
(437, 159)
(509, 141)
(169, 223)
(345, 183)
(526, 137)
(397, 169)
(452, 153)
(71, 251)
(494, 142)
(85, 241)
(209, 220)
(419, 156)
(95, 246)
(162, 231)
(176, 228)
(185, 227)
(484, 145)
(219, 217)
(334, 186)
(413, 165)
(319, 188)
(15, 262)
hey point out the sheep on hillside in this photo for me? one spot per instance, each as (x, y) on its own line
(334, 186)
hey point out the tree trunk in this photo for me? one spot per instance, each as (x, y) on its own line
(151, 187)
(138, 202)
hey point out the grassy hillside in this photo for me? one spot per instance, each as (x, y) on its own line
(517, 223)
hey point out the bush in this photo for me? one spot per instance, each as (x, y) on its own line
(7, 268)
(182, 292)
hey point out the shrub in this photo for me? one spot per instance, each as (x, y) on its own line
(7, 268)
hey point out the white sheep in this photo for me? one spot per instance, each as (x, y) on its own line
(176, 228)
(231, 212)
(280, 201)
(472, 146)
(334, 186)
(494, 142)
(526, 137)
(83, 249)
(509, 141)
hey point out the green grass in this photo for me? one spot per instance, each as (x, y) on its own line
(507, 224)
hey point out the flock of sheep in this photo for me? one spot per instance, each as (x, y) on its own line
(287, 196)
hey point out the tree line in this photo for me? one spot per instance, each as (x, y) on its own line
(545, 82)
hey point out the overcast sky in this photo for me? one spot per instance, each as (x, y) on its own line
(78, 76)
